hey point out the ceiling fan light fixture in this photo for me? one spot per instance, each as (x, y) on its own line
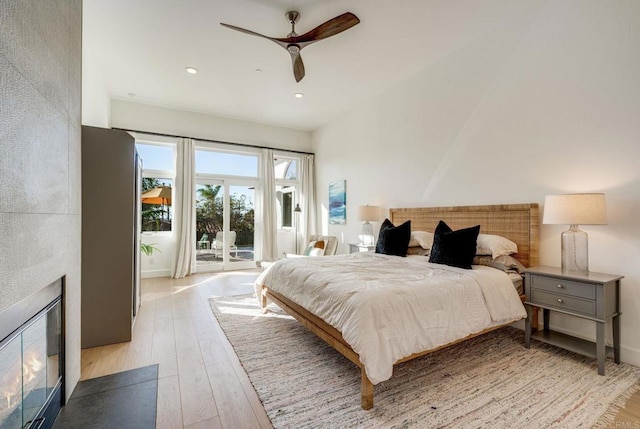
(191, 70)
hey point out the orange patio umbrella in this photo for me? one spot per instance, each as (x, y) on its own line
(159, 195)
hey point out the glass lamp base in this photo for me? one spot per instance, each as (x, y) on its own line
(575, 252)
(367, 234)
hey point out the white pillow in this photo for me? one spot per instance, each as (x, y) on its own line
(315, 248)
(423, 239)
(495, 245)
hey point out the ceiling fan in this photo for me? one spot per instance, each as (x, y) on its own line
(294, 43)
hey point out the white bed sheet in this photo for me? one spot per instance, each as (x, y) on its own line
(389, 307)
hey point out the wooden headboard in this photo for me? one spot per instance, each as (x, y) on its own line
(519, 223)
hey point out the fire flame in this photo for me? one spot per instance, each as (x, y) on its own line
(10, 394)
(31, 367)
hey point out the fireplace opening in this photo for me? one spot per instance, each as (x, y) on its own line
(32, 360)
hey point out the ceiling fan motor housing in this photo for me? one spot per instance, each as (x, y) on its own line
(292, 16)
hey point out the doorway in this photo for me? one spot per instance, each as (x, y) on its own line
(225, 224)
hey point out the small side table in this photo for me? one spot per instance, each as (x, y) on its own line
(359, 247)
(592, 296)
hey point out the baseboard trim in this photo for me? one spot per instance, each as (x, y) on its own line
(149, 274)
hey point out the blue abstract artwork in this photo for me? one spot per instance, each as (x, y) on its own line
(338, 202)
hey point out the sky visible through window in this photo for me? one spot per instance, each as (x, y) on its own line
(232, 164)
(155, 157)
(161, 157)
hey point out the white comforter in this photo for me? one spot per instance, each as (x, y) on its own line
(389, 307)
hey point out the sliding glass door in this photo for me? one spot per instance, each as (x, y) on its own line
(241, 226)
(225, 225)
(225, 210)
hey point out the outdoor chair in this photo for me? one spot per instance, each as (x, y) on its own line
(203, 243)
(218, 244)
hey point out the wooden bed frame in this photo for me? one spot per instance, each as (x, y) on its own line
(518, 222)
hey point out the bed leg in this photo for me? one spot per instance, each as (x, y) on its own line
(367, 392)
(534, 321)
(263, 300)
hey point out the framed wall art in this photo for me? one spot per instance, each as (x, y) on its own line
(338, 202)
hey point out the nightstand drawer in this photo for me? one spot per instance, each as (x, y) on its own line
(563, 302)
(566, 287)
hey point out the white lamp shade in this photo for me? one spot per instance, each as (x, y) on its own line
(575, 209)
(368, 213)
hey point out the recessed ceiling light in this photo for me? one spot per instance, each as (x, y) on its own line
(191, 70)
(298, 95)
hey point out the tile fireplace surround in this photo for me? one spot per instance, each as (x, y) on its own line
(32, 360)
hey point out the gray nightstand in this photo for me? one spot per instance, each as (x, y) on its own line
(359, 247)
(592, 296)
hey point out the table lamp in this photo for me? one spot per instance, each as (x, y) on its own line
(367, 214)
(574, 210)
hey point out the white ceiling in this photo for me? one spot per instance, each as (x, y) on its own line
(140, 48)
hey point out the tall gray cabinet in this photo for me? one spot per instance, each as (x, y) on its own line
(110, 235)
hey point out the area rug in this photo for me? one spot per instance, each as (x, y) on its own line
(490, 381)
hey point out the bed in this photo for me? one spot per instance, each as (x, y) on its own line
(366, 338)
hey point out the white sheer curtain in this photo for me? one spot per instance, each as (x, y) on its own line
(267, 233)
(184, 210)
(308, 198)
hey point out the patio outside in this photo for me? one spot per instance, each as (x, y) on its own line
(157, 216)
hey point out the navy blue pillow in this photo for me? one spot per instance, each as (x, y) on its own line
(394, 240)
(454, 248)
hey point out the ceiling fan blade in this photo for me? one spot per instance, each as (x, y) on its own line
(294, 43)
(253, 33)
(330, 28)
(298, 66)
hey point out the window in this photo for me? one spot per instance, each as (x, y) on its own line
(156, 157)
(158, 170)
(221, 163)
(156, 204)
(226, 181)
(286, 175)
(285, 206)
(286, 168)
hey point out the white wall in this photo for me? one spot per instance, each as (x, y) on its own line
(547, 105)
(158, 264)
(96, 103)
(144, 117)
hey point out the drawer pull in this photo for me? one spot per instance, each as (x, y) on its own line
(560, 300)
(560, 286)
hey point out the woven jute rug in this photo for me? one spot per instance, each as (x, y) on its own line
(490, 381)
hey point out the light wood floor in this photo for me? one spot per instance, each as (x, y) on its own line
(201, 382)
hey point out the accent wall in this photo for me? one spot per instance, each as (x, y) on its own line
(40, 199)
(547, 103)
